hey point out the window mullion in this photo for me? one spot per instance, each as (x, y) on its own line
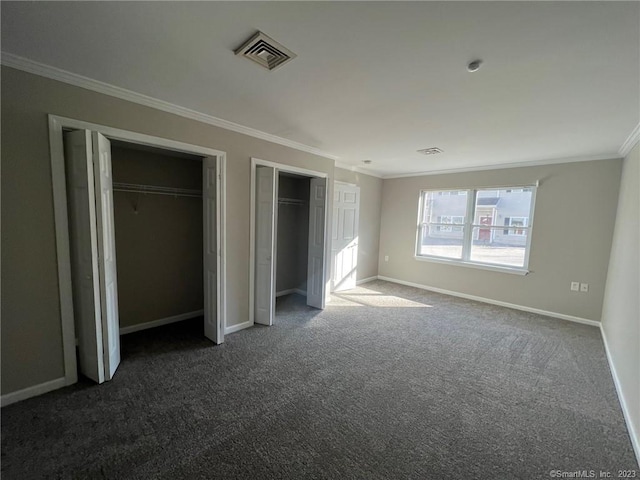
(468, 224)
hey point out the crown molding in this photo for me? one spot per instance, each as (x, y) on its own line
(630, 142)
(43, 70)
(535, 163)
(353, 168)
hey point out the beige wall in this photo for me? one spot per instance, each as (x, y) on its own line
(31, 330)
(369, 227)
(621, 311)
(573, 226)
(158, 237)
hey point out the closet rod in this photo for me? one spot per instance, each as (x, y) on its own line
(291, 201)
(137, 188)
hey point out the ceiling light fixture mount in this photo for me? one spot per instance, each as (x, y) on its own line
(430, 151)
(474, 66)
(265, 51)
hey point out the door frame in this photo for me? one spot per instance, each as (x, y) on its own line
(252, 230)
(56, 125)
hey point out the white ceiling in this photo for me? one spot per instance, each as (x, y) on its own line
(372, 80)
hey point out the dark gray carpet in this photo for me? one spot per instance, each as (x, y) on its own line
(388, 382)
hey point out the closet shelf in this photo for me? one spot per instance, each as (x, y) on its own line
(291, 201)
(153, 189)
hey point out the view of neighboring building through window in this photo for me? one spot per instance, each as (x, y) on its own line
(488, 226)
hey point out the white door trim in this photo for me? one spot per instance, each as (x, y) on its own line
(339, 182)
(252, 223)
(56, 150)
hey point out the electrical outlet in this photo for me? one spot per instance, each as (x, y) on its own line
(386, 258)
(575, 286)
(584, 287)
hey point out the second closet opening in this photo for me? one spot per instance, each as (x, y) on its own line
(292, 236)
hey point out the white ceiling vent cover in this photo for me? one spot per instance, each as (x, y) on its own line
(430, 151)
(265, 51)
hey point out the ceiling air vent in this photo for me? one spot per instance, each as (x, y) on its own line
(430, 151)
(265, 51)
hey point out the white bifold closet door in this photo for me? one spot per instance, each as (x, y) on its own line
(93, 253)
(210, 249)
(316, 260)
(265, 280)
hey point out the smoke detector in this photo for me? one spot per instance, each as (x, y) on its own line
(430, 151)
(265, 51)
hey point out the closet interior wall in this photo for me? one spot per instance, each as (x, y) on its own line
(158, 236)
(293, 233)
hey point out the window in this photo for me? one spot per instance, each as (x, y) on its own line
(478, 226)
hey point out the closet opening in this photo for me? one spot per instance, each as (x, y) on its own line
(289, 248)
(143, 222)
(158, 233)
(292, 240)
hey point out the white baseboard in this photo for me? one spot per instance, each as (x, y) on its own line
(237, 327)
(160, 322)
(633, 433)
(282, 293)
(367, 280)
(562, 316)
(299, 291)
(33, 391)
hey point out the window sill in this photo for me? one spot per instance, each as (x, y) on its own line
(480, 266)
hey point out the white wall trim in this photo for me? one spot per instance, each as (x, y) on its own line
(58, 74)
(282, 293)
(252, 243)
(353, 168)
(561, 316)
(222, 239)
(289, 291)
(633, 434)
(37, 68)
(135, 137)
(160, 322)
(289, 168)
(237, 327)
(534, 163)
(63, 255)
(32, 391)
(366, 280)
(630, 142)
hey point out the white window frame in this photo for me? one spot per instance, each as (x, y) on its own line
(469, 226)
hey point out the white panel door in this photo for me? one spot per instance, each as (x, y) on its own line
(84, 253)
(106, 254)
(344, 243)
(265, 245)
(316, 260)
(210, 247)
